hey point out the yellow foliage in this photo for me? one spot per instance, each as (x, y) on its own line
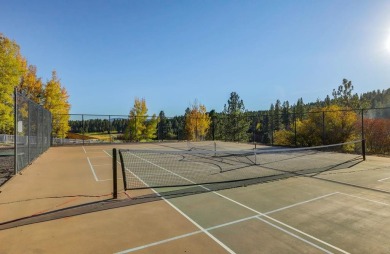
(140, 127)
(329, 125)
(31, 85)
(11, 70)
(197, 122)
(56, 101)
(284, 137)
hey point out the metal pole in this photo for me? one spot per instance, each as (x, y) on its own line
(323, 127)
(29, 131)
(295, 128)
(213, 128)
(82, 119)
(15, 131)
(363, 137)
(114, 174)
(109, 128)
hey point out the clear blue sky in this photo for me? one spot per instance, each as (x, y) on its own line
(106, 53)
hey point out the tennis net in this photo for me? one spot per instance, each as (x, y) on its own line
(153, 169)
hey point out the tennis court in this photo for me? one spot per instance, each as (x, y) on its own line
(297, 204)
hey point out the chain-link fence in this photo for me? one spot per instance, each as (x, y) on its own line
(33, 125)
(29, 137)
(288, 128)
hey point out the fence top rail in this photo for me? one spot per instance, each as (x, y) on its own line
(245, 114)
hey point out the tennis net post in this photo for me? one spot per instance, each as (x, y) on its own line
(114, 174)
(364, 149)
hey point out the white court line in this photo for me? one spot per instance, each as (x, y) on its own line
(294, 235)
(183, 214)
(93, 170)
(227, 224)
(371, 200)
(249, 208)
(84, 149)
(384, 179)
(300, 203)
(160, 242)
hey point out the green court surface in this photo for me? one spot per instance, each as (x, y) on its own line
(63, 203)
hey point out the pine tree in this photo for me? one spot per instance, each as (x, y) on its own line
(286, 115)
(277, 115)
(234, 122)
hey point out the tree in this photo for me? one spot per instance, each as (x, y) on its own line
(140, 127)
(56, 101)
(300, 109)
(286, 115)
(31, 85)
(11, 71)
(212, 131)
(235, 123)
(162, 126)
(197, 122)
(343, 95)
(277, 115)
(339, 127)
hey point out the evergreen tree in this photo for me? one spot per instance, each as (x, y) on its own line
(286, 115)
(343, 95)
(277, 115)
(162, 126)
(235, 123)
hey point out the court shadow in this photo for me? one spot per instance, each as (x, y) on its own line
(166, 194)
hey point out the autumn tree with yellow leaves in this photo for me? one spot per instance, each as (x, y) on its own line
(140, 126)
(197, 122)
(11, 70)
(56, 101)
(15, 72)
(31, 85)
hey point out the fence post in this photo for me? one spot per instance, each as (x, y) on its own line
(82, 119)
(295, 128)
(272, 130)
(253, 129)
(29, 131)
(109, 128)
(363, 137)
(323, 127)
(213, 128)
(15, 131)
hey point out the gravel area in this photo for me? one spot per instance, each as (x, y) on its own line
(6, 164)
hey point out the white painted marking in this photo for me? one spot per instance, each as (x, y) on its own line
(247, 207)
(283, 224)
(159, 242)
(200, 227)
(300, 203)
(93, 171)
(186, 216)
(222, 225)
(371, 200)
(294, 235)
(84, 149)
(384, 179)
